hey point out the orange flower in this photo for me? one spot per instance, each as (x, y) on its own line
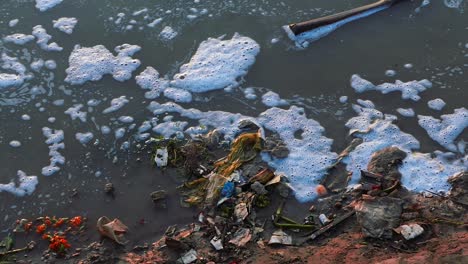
(59, 222)
(27, 226)
(46, 236)
(41, 228)
(59, 244)
(76, 221)
(47, 221)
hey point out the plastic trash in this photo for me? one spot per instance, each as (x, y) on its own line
(112, 229)
(280, 238)
(161, 157)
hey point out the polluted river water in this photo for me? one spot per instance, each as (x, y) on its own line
(85, 83)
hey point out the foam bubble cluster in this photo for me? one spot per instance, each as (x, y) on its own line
(407, 112)
(54, 140)
(9, 79)
(447, 129)
(91, 63)
(43, 39)
(44, 5)
(116, 104)
(419, 171)
(409, 90)
(310, 154)
(65, 24)
(26, 185)
(168, 33)
(84, 138)
(436, 104)
(217, 64)
(272, 99)
(75, 113)
(18, 38)
(149, 80)
(178, 95)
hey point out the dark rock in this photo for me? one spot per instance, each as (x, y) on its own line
(109, 188)
(157, 196)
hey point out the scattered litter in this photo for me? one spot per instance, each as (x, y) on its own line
(281, 238)
(324, 219)
(112, 229)
(378, 216)
(189, 257)
(161, 157)
(217, 243)
(409, 231)
(241, 237)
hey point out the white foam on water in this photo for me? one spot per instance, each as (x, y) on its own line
(366, 103)
(50, 64)
(155, 22)
(168, 33)
(343, 99)
(303, 40)
(75, 113)
(409, 90)
(8, 79)
(310, 154)
(116, 104)
(44, 5)
(91, 63)
(408, 65)
(125, 119)
(139, 12)
(445, 130)
(105, 130)
(419, 171)
(51, 119)
(65, 24)
(453, 3)
(37, 65)
(406, 112)
(149, 80)
(171, 128)
(18, 38)
(43, 39)
(217, 64)
(377, 133)
(390, 73)
(25, 117)
(13, 22)
(27, 185)
(272, 99)
(178, 95)
(436, 104)
(54, 140)
(119, 132)
(15, 144)
(249, 93)
(84, 138)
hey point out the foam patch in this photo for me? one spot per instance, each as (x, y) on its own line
(44, 5)
(26, 186)
(217, 64)
(116, 104)
(436, 104)
(18, 38)
(43, 39)
(65, 24)
(409, 90)
(91, 63)
(407, 112)
(446, 129)
(54, 140)
(272, 99)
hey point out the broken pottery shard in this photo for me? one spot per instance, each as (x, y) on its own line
(241, 237)
(409, 231)
(280, 238)
(377, 217)
(161, 157)
(112, 229)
